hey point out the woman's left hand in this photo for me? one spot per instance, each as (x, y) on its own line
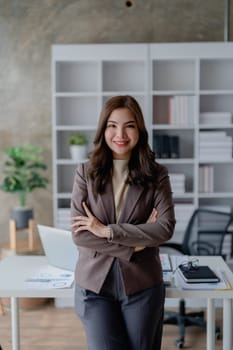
(89, 223)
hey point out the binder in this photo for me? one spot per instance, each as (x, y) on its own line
(165, 146)
(157, 145)
(174, 146)
(201, 274)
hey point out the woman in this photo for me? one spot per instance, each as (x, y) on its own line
(122, 210)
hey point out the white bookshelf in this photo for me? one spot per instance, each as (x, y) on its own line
(203, 73)
(174, 84)
(83, 77)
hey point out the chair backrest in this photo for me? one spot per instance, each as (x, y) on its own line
(205, 232)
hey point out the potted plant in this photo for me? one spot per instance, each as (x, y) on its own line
(78, 146)
(23, 174)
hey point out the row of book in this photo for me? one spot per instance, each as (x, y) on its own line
(183, 213)
(63, 218)
(179, 110)
(215, 145)
(216, 118)
(166, 146)
(206, 178)
(177, 182)
(174, 110)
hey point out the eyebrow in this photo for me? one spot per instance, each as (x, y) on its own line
(129, 122)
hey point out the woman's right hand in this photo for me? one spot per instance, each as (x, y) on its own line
(152, 218)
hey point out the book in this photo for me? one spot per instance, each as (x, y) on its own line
(223, 283)
(201, 274)
(174, 146)
(165, 146)
(157, 145)
(165, 262)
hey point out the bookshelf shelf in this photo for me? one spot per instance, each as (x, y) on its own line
(216, 195)
(177, 85)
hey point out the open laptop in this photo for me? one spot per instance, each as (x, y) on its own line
(59, 247)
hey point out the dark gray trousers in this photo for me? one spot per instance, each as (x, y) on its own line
(115, 321)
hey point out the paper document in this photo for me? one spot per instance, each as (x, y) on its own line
(50, 277)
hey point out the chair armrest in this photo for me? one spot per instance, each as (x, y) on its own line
(205, 248)
(173, 245)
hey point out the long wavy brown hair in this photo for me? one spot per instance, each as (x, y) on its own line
(142, 166)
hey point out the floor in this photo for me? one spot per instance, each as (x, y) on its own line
(53, 328)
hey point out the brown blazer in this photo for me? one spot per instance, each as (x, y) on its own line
(141, 269)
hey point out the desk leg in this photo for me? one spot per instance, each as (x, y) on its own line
(15, 324)
(210, 335)
(227, 324)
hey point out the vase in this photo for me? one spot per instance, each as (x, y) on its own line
(78, 152)
(21, 216)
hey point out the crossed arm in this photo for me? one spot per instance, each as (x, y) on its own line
(90, 223)
(88, 231)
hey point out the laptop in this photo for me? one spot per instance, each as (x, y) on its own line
(59, 247)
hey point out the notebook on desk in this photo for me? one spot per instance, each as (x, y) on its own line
(59, 247)
(201, 274)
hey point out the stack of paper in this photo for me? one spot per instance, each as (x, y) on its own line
(50, 277)
(177, 260)
(177, 182)
(215, 145)
(167, 268)
(216, 118)
(221, 285)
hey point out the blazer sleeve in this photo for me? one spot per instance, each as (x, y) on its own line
(86, 238)
(150, 234)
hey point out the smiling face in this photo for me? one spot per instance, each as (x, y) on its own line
(121, 133)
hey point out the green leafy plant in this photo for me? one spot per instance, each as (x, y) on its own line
(23, 170)
(78, 139)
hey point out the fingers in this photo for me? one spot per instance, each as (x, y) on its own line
(82, 222)
(88, 223)
(87, 211)
(138, 249)
(153, 216)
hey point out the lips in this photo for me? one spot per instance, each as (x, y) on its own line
(121, 143)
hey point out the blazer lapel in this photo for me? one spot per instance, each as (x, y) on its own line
(107, 204)
(132, 197)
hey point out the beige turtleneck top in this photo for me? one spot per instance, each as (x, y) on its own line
(120, 173)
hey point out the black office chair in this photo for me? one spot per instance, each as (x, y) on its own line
(204, 235)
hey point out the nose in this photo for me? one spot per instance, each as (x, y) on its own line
(120, 132)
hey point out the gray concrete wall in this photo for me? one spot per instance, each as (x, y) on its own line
(28, 28)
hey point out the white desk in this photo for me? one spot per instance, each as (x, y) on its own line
(15, 270)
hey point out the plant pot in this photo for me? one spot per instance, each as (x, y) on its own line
(21, 216)
(78, 152)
